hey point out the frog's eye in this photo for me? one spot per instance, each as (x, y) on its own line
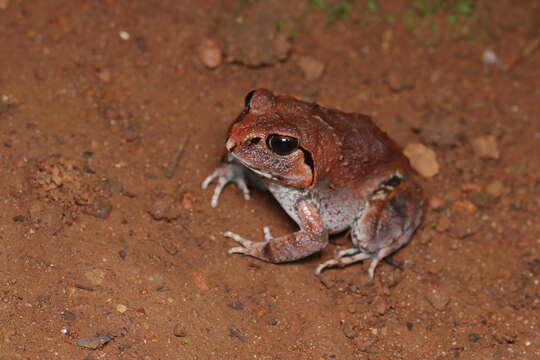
(281, 144)
(247, 99)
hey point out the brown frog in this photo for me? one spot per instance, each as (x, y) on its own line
(331, 171)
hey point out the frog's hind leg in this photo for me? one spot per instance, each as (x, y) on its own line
(343, 258)
(393, 214)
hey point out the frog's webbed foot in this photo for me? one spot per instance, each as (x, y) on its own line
(248, 247)
(229, 172)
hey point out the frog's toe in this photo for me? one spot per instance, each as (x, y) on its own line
(244, 242)
(222, 182)
(347, 252)
(325, 265)
(242, 185)
(208, 180)
(237, 250)
(267, 234)
(347, 257)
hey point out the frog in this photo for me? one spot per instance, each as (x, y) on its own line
(331, 171)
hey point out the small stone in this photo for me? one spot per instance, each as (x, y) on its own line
(443, 224)
(101, 208)
(399, 80)
(482, 200)
(124, 35)
(486, 147)
(271, 322)
(465, 206)
(187, 201)
(93, 342)
(438, 299)
(210, 53)
(236, 305)
(473, 337)
(165, 208)
(142, 43)
(381, 307)
(122, 254)
(104, 75)
(312, 68)
(179, 330)
(237, 333)
(95, 276)
(68, 316)
(169, 246)
(436, 203)
(495, 188)
(534, 266)
(4, 4)
(19, 218)
(121, 308)
(423, 159)
(349, 330)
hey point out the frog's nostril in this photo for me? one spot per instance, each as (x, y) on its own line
(252, 141)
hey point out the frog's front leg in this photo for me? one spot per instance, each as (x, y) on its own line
(311, 237)
(231, 171)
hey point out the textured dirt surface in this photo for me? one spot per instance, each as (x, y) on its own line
(101, 237)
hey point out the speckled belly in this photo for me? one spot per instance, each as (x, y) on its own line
(338, 208)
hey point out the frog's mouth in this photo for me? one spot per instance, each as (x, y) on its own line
(258, 171)
(290, 180)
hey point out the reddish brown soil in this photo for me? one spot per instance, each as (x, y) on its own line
(89, 121)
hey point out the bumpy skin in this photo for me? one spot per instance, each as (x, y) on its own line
(343, 174)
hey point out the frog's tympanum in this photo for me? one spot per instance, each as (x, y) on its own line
(331, 171)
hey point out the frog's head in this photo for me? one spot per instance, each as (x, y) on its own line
(268, 138)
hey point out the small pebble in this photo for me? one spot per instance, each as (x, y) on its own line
(169, 246)
(349, 330)
(210, 53)
(236, 305)
(381, 307)
(489, 57)
(436, 203)
(101, 208)
(93, 342)
(179, 330)
(68, 316)
(95, 276)
(312, 68)
(423, 159)
(104, 75)
(121, 308)
(237, 333)
(465, 206)
(486, 147)
(124, 35)
(439, 299)
(122, 254)
(142, 43)
(473, 337)
(399, 80)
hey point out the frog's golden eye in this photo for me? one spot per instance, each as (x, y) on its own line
(281, 144)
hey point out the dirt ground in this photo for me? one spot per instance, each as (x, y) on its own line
(101, 236)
